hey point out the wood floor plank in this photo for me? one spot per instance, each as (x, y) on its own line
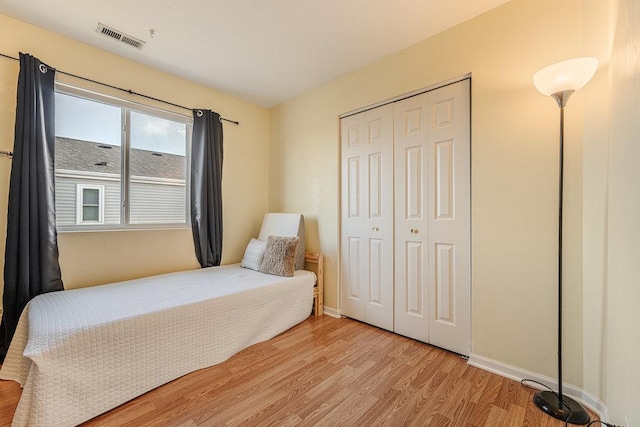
(328, 371)
(479, 379)
(497, 416)
(461, 397)
(325, 407)
(9, 396)
(515, 415)
(462, 413)
(318, 394)
(349, 409)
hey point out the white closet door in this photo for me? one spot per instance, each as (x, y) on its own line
(450, 217)
(367, 217)
(411, 218)
(405, 263)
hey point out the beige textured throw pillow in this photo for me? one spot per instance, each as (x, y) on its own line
(280, 256)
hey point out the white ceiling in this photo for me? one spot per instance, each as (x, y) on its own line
(264, 51)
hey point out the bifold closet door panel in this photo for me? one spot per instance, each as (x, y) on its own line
(367, 217)
(411, 218)
(432, 217)
(450, 217)
(352, 287)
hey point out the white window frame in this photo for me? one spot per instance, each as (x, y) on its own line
(128, 106)
(80, 203)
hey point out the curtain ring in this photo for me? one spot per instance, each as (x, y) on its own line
(199, 113)
(43, 69)
(220, 119)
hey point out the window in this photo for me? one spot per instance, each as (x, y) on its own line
(90, 204)
(119, 164)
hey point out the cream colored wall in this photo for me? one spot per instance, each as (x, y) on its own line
(611, 210)
(598, 35)
(93, 258)
(622, 298)
(514, 170)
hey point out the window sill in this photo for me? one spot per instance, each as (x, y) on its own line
(99, 229)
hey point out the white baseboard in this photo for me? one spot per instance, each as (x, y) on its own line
(518, 374)
(329, 311)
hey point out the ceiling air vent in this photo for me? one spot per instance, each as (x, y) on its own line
(119, 36)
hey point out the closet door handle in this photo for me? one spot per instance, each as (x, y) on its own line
(415, 230)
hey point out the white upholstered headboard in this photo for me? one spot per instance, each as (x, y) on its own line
(285, 224)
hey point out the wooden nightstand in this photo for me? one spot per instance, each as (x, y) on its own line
(318, 290)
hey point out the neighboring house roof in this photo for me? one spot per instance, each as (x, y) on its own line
(87, 156)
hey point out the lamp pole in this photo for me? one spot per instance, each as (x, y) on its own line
(561, 98)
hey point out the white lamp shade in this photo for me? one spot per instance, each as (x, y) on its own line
(571, 74)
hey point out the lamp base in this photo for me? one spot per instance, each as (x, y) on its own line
(569, 410)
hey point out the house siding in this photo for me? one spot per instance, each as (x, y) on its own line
(157, 202)
(66, 193)
(152, 201)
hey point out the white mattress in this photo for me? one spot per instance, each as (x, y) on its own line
(81, 352)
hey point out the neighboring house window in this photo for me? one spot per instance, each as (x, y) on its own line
(90, 204)
(119, 164)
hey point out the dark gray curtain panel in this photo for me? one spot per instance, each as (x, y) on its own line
(31, 263)
(206, 187)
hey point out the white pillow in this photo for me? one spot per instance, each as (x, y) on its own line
(253, 254)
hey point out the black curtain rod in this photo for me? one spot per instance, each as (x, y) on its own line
(129, 91)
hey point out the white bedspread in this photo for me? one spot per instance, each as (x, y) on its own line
(81, 352)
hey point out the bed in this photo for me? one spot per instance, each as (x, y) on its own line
(82, 352)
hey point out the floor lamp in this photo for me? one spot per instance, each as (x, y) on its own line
(559, 81)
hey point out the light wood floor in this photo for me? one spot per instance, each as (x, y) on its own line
(331, 372)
